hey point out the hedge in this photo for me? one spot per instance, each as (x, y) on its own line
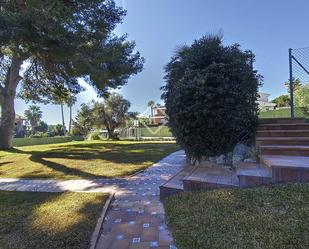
(44, 140)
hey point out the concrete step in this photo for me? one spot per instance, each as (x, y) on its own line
(282, 120)
(264, 127)
(175, 184)
(284, 150)
(253, 174)
(282, 133)
(210, 177)
(287, 168)
(282, 141)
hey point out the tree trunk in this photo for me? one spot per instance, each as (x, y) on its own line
(70, 121)
(7, 122)
(111, 133)
(63, 123)
(7, 96)
(152, 121)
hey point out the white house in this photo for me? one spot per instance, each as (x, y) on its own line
(264, 103)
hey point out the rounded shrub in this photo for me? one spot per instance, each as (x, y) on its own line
(95, 135)
(210, 95)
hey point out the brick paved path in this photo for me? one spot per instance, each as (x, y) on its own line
(137, 217)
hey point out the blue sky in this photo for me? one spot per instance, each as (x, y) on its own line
(268, 28)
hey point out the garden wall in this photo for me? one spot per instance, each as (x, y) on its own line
(26, 141)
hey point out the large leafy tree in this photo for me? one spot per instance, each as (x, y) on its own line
(112, 113)
(56, 42)
(282, 101)
(210, 95)
(33, 115)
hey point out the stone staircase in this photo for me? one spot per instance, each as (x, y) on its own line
(283, 146)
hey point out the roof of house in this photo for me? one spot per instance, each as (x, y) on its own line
(17, 116)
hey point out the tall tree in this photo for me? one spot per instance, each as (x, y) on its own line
(296, 84)
(151, 104)
(71, 101)
(33, 115)
(84, 121)
(61, 41)
(112, 113)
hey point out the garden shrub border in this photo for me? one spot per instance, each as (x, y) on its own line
(26, 141)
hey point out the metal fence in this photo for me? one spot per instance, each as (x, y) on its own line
(299, 76)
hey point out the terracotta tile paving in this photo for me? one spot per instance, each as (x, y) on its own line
(137, 217)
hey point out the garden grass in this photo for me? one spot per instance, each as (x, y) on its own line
(86, 159)
(266, 218)
(284, 113)
(48, 220)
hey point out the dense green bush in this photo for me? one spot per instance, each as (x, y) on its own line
(95, 135)
(210, 95)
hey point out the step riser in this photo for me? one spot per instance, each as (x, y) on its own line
(283, 175)
(278, 142)
(284, 152)
(283, 127)
(282, 121)
(282, 134)
(253, 181)
(166, 192)
(196, 186)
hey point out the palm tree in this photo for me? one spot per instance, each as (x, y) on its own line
(33, 115)
(151, 104)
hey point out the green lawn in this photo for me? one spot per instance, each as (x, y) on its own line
(86, 159)
(48, 220)
(267, 218)
(284, 113)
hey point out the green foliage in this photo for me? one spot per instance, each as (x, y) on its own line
(33, 115)
(55, 130)
(296, 84)
(302, 97)
(112, 113)
(210, 95)
(95, 135)
(53, 44)
(84, 121)
(282, 101)
(284, 113)
(39, 135)
(42, 127)
(63, 41)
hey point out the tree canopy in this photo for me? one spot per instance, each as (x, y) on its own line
(61, 41)
(33, 115)
(210, 96)
(282, 101)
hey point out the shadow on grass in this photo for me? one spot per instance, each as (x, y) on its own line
(121, 154)
(4, 163)
(25, 225)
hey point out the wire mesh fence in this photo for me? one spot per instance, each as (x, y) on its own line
(299, 82)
